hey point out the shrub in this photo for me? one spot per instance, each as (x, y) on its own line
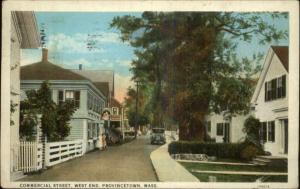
(251, 128)
(249, 152)
(220, 150)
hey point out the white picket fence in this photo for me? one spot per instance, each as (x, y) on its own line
(26, 156)
(58, 152)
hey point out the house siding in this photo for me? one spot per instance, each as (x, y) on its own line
(81, 117)
(236, 124)
(76, 131)
(273, 110)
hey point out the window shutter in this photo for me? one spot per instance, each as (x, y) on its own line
(283, 85)
(264, 131)
(274, 87)
(266, 91)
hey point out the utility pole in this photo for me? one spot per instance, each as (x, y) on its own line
(136, 108)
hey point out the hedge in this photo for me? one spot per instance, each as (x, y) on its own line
(220, 150)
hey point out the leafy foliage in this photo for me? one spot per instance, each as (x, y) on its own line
(12, 111)
(54, 118)
(251, 128)
(189, 60)
(239, 151)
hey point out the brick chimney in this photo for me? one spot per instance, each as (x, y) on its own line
(44, 55)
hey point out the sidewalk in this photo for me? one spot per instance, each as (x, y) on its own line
(167, 169)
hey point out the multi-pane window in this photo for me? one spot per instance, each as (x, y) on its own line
(267, 131)
(271, 131)
(220, 129)
(90, 130)
(263, 132)
(73, 96)
(275, 88)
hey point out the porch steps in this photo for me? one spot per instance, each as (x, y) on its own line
(270, 160)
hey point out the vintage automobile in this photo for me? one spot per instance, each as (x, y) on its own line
(158, 136)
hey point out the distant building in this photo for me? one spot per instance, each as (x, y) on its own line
(104, 80)
(67, 85)
(225, 128)
(24, 35)
(100, 77)
(270, 100)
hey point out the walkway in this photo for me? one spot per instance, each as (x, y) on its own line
(167, 169)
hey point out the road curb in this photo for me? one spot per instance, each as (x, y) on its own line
(167, 169)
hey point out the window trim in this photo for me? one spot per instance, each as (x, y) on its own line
(266, 133)
(218, 131)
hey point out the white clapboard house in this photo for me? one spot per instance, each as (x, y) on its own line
(270, 101)
(67, 85)
(226, 128)
(24, 35)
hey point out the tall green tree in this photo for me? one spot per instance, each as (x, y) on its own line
(190, 59)
(54, 117)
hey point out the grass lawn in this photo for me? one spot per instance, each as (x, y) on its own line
(203, 177)
(218, 167)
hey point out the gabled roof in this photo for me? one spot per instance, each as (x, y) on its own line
(103, 87)
(282, 52)
(45, 70)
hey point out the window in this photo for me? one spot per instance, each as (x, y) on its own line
(60, 97)
(279, 87)
(269, 91)
(90, 130)
(73, 96)
(98, 129)
(77, 99)
(220, 129)
(275, 89)
(263, 132)
(90, 102)
(267, 131)
(271, 131)
(115, 111)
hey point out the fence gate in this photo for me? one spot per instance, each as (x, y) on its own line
(26, 156)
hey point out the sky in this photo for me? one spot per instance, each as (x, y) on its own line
(69, 34)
